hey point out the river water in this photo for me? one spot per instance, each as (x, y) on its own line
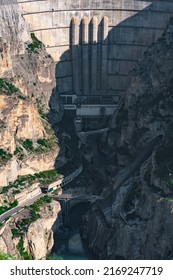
(73, 247)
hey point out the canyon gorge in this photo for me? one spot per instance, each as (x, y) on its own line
(86, 86)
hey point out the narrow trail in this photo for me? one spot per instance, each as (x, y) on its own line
(113, 202)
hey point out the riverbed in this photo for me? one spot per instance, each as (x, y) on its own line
(73, 247)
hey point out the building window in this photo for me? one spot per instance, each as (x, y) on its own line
(69, 100)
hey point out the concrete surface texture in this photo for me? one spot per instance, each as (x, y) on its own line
(133, 25)
(95, 42)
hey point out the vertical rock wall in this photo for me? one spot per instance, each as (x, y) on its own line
(13, 33)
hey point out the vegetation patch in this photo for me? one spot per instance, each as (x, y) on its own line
(42, 142)
(45, 145)
(19, 153)
(52, 138)
(35, 45)
(4, 256)
(44, 178)
(42, 145)
(42, 113)
(57, 191)
(28, 145)
(22, 226)
(6, 208)
(168, 198)
(40, 106)
(22, 251)
(8, 89)
(4, 157)
(35, 207)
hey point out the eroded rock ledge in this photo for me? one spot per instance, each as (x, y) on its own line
(38, 238)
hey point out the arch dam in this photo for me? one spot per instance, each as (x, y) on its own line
(95, 44)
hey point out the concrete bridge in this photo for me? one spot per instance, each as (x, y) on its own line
(68, 201)
(93, 132)
(78, 197)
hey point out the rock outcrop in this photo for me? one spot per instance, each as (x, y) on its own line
(20, 121)
(13, 34)
(32, 71)
(25, 64)
(135, 220)
(27, 84)
(38, 238)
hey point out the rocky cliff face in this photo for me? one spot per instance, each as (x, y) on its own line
(24, 64)
(27, 93)
(32, 70)
(13, 34)
(38, 237)
(19, 121)
(136, 222)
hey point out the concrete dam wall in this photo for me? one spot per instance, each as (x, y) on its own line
(95, 44)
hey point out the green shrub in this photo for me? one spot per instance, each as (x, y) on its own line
(14, 204)
(7, 87)
(5, 208)
(16, 192)
(45, 177)
(50, 258)
(4, 256)
(17, 151)
(42, 113)
(22, 251)
(37, 204)
(34, 214)
(2, 152)
(35, 45)
(15, 232)
(28, 145)
(35, 207)
(4, 157)
(26, 256)
(42, 142)
(45, 144)
(21, 97)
